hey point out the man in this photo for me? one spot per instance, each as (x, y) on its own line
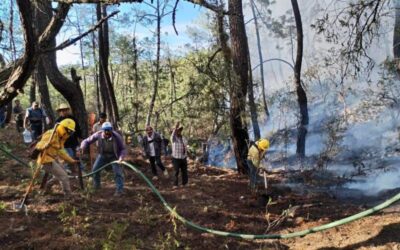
(51, 146)
(18, 115)
(72, 143)
(179, 155)
(110, 148)
(152, 145)
(35, 116)
(255, 155)
(97, 125)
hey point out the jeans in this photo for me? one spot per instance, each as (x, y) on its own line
(36, 130)
(101, 160)
(156, 160)
(180, 164)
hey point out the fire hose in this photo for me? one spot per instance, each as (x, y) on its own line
(200, 228)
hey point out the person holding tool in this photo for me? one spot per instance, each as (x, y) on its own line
(256, 153)
(51, 150)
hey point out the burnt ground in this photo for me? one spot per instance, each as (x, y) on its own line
(216, 198)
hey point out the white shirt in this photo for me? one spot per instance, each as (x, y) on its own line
(151, 145)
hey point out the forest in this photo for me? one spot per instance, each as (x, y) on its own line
(199, 124)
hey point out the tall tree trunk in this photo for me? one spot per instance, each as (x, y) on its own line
(260, 57)
(11, 31)
(301, 94)
(105, 78)
(157, 73)
(39, 76)
(239, 84)
(396, 37)
(172, 85)
(70, 91)
(82, 58)
(135, 96)
(32, 92)
(252, 104)
(95, 74)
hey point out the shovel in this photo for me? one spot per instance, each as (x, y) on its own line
(22, 206)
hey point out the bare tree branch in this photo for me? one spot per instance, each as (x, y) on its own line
(213, 7)
(69, 42)
(97, 1)
(174, 16)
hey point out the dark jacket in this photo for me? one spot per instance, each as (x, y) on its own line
(72, 141)
(157, 144)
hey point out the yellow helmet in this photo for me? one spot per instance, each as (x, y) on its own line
(263, 144)
(68, 124)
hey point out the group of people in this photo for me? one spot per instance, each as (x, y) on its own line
(64, 142)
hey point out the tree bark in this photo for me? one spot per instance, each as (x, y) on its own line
(69, 90)
(22, 71)
(260, 57)
(301, 94)
(396, 37)
(39, 77)
(106, 86)
(239, 83)
(252, 104)
(157, 73)
(16, 75)
(32, 92)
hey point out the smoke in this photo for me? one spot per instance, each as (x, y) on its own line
(374, 184)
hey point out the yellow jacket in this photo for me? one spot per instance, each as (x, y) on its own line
(255, 155)
(54, 148)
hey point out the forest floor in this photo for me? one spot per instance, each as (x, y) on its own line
(216, 198)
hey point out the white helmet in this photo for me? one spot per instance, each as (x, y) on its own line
(106, 126)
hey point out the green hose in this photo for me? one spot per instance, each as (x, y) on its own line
(193, 225)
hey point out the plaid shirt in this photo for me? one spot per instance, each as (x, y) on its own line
(178, 146)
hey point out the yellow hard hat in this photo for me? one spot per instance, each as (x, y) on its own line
(68, 124)
(62, 106)
(263, 144)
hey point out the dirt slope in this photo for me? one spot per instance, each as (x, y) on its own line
(215, 198)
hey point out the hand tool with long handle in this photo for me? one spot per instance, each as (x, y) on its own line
(35, 175)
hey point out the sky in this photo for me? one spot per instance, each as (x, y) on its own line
(187, 14)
